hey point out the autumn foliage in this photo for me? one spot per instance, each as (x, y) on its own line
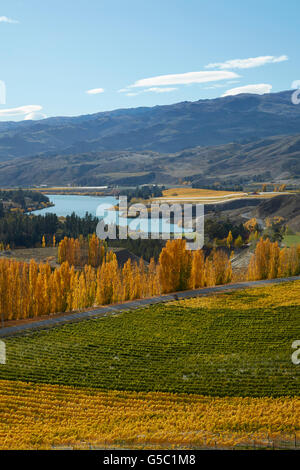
(32, 290)
(52, 416)
(269, 261)
(78, 251)
(181, 269)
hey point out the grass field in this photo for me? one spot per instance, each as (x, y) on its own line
(40, 255)
(207, 372)
(195, 192)
(207, 196)
(200, 195)
(290, 240)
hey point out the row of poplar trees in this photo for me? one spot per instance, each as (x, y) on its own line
(269, 261)
(33, 290)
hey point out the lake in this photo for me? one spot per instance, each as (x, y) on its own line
(65, 204)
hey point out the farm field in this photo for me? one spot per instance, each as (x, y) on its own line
(290, 240)
(234, 344)
(186, 192)
(40, 255)
(50, 416)
(207, 195)
(212, 371)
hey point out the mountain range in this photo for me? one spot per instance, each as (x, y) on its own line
(234, 135)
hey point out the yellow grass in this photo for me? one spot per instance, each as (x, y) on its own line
(199, 195)
(207, 195)
(44, 416)
(195, 192)
(280, 295)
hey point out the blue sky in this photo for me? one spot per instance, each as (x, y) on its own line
(141, 52)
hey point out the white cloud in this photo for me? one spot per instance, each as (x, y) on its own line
(258, 89)
(35, 116)
(147, 90)
(95, 91)
(4, 19)
(184, 78)
(247, 63)
(217, 85)
(160, 90)
(21, 110)
(220, 85)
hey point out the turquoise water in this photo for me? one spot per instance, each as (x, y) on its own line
(65, 204)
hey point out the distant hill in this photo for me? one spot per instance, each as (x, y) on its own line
(165, 129)
(286, 206)
(280, 156)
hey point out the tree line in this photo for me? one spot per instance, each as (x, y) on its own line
(20, 197)
(269, 261)
(32, 290)
(27, 230)
(19, 230)
(81, 251)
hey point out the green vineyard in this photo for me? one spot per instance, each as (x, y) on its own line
(234, 344)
